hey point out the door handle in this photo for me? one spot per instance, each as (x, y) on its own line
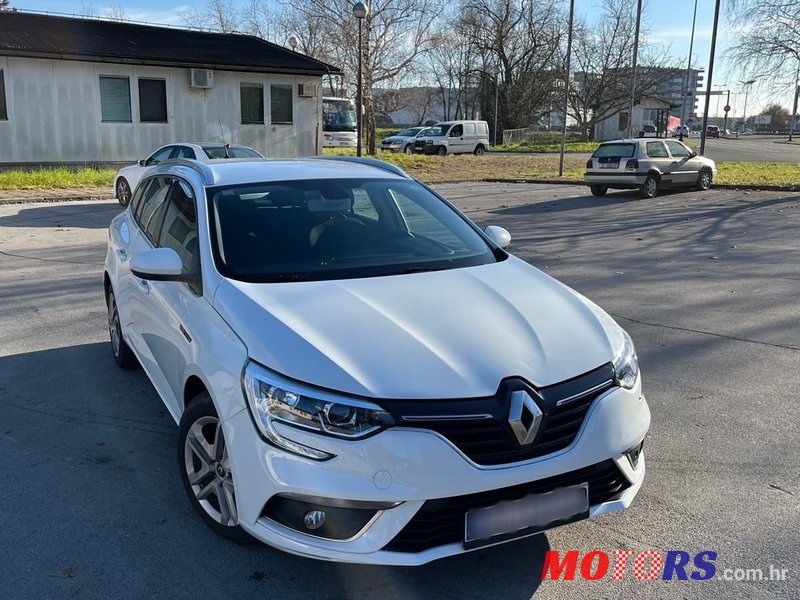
(123, 256)
(144, 286)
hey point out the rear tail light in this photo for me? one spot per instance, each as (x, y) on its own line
(632, 165)
(589, 164)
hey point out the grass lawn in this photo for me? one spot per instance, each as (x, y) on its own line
(61, 178)
(548, 147)
(432, 169)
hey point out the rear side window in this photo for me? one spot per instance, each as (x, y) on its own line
(615, 150)
(656, 150)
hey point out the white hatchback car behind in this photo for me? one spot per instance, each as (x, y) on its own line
(361, 374)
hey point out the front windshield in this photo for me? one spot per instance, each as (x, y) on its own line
(410, 132)
(338, 229)
(338, 115)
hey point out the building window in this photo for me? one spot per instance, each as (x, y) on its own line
(252, 96)
(623, 121)
(115, 99)
(152, 101)
(3, 107)
(281, 102)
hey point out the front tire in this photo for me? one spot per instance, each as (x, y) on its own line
(441, 151)
(598, 190)
(123, 355)
(704, 179)
(206, 470)
(408, 149)
(649, 188)
(123, 192)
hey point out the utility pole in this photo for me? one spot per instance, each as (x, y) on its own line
(635, 59)
(710, 77)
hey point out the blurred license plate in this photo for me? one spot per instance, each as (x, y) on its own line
(534, 512)
(609, 165)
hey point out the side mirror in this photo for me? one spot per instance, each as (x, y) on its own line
(498, 235)
(159, 264)
(692, 154)
(142, 163)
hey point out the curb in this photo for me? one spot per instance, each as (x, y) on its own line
(53, 199)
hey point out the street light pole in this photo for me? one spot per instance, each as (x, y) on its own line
(359, 12)
(746, 85)
(793, 117)
(566, 87)
(686, 93)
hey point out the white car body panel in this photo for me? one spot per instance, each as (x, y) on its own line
(349, 331)
(443, 334)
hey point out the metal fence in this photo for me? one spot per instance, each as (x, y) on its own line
(534, 135)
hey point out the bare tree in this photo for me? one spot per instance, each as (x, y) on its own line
(216, 15)
(601, 59)
(395, 33)
(115, 12)
(518, 45)
(5, 4)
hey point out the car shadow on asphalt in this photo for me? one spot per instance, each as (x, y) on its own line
(88, 215)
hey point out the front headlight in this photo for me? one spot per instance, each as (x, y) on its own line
(272, 399)
(626, 363)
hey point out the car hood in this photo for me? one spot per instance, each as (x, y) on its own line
(442, 334)
(397, 138)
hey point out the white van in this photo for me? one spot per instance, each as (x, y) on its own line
(455, 137)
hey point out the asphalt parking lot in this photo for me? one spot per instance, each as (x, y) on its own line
(705, 282)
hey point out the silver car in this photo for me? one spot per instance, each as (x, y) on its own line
(404, 141)
(647, 165)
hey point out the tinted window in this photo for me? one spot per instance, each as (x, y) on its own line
(615, 150)
(656, 150)
(678, 150)
(179, 230)
(152, 101)
(281, 103)
(410, 132)
(3, 107)
(252, 102)
(153, 205)
(329, 229)
(456, 131)
(243, 153)
(182, 152)
(159, 155)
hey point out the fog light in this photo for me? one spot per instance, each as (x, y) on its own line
(634, 453)
(314, 519)
(329, 518)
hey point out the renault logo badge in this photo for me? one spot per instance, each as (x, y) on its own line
(524, 416)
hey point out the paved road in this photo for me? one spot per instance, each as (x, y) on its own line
(752, 148)
(92, 505)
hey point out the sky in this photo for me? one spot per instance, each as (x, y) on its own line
(669, 23)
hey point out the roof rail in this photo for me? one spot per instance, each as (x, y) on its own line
(370, 162)
(200, 168)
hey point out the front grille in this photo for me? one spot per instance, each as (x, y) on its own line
(441, 521)
(479, 426)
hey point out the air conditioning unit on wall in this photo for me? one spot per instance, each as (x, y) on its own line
(201, 78)
(307, 90)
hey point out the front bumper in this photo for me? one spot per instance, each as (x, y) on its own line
(412, 466)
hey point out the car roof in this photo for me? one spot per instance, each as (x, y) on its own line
(233, 171)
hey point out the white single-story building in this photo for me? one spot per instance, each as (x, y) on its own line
(88, 91)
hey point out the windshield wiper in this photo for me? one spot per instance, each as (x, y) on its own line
(409, 270)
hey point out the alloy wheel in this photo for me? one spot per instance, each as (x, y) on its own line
(209, 471)
(114, 330)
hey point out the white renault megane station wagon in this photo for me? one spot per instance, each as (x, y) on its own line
(361, 374)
